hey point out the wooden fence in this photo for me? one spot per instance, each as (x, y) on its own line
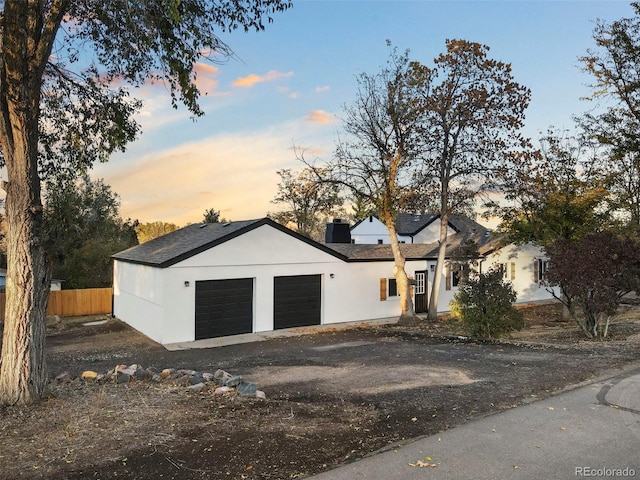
(69, 303)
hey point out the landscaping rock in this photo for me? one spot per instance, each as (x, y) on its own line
(53, 321)
(246, 389)
(63, 377)
(221, 377)
(192, 380)
(198, 387)
(233, 381)
(222, 390)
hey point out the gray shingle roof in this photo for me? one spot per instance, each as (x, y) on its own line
(176, 246)
(410, 224)
(374, 252)
(173, 247)
(411, 251)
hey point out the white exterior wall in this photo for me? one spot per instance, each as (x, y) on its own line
(354, 293)
(444, 295)
(139, 298)
(524, 283)
(371, 231)
(431, 233)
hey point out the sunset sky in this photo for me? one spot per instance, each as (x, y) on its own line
(288, 84)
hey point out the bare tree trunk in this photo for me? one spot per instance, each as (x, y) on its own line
(25, 42)
(23, 376)
(432, 314)
(407, 313)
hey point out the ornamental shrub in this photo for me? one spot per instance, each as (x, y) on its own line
(484, 304)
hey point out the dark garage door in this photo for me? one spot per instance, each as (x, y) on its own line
(224, 307)
(297, 301)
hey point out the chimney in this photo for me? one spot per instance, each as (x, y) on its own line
(337, 232)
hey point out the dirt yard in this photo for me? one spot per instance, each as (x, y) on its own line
(332, 397)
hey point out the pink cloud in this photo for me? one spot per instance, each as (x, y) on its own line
(319, 116)
(252, 79)
(206, 80)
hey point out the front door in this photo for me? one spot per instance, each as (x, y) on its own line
(420, 292)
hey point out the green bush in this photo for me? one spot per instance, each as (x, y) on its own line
(484, 304)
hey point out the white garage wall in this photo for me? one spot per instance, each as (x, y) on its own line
(138, 298)
(261, 254)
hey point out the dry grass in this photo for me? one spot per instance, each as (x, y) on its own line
(83, 423)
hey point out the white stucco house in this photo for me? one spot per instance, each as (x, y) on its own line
(523, 265)
(220, 279)
(411, 228)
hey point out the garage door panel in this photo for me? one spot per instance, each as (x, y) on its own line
(224, 307)
(297, 301)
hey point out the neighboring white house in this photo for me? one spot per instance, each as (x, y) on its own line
(411, 228)
(220, 279)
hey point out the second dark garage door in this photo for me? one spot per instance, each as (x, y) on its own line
(297, 301)
(224, 307)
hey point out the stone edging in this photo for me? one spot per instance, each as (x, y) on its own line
(220, 382)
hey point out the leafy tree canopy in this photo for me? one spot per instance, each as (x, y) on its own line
(149, 231)
(212, 215)
(82, 229)
(86, 110)
(615, 66)
(594, 272)
(552, 196)
(308, 202)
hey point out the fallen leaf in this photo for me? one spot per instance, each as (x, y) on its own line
(422, 464)
(550, 408)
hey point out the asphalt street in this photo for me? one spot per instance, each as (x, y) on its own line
(589, 432)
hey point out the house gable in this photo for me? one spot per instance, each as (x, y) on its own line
(189, 241)
(263, 245)
(411, 228)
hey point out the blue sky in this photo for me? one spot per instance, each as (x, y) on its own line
(288, 84)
